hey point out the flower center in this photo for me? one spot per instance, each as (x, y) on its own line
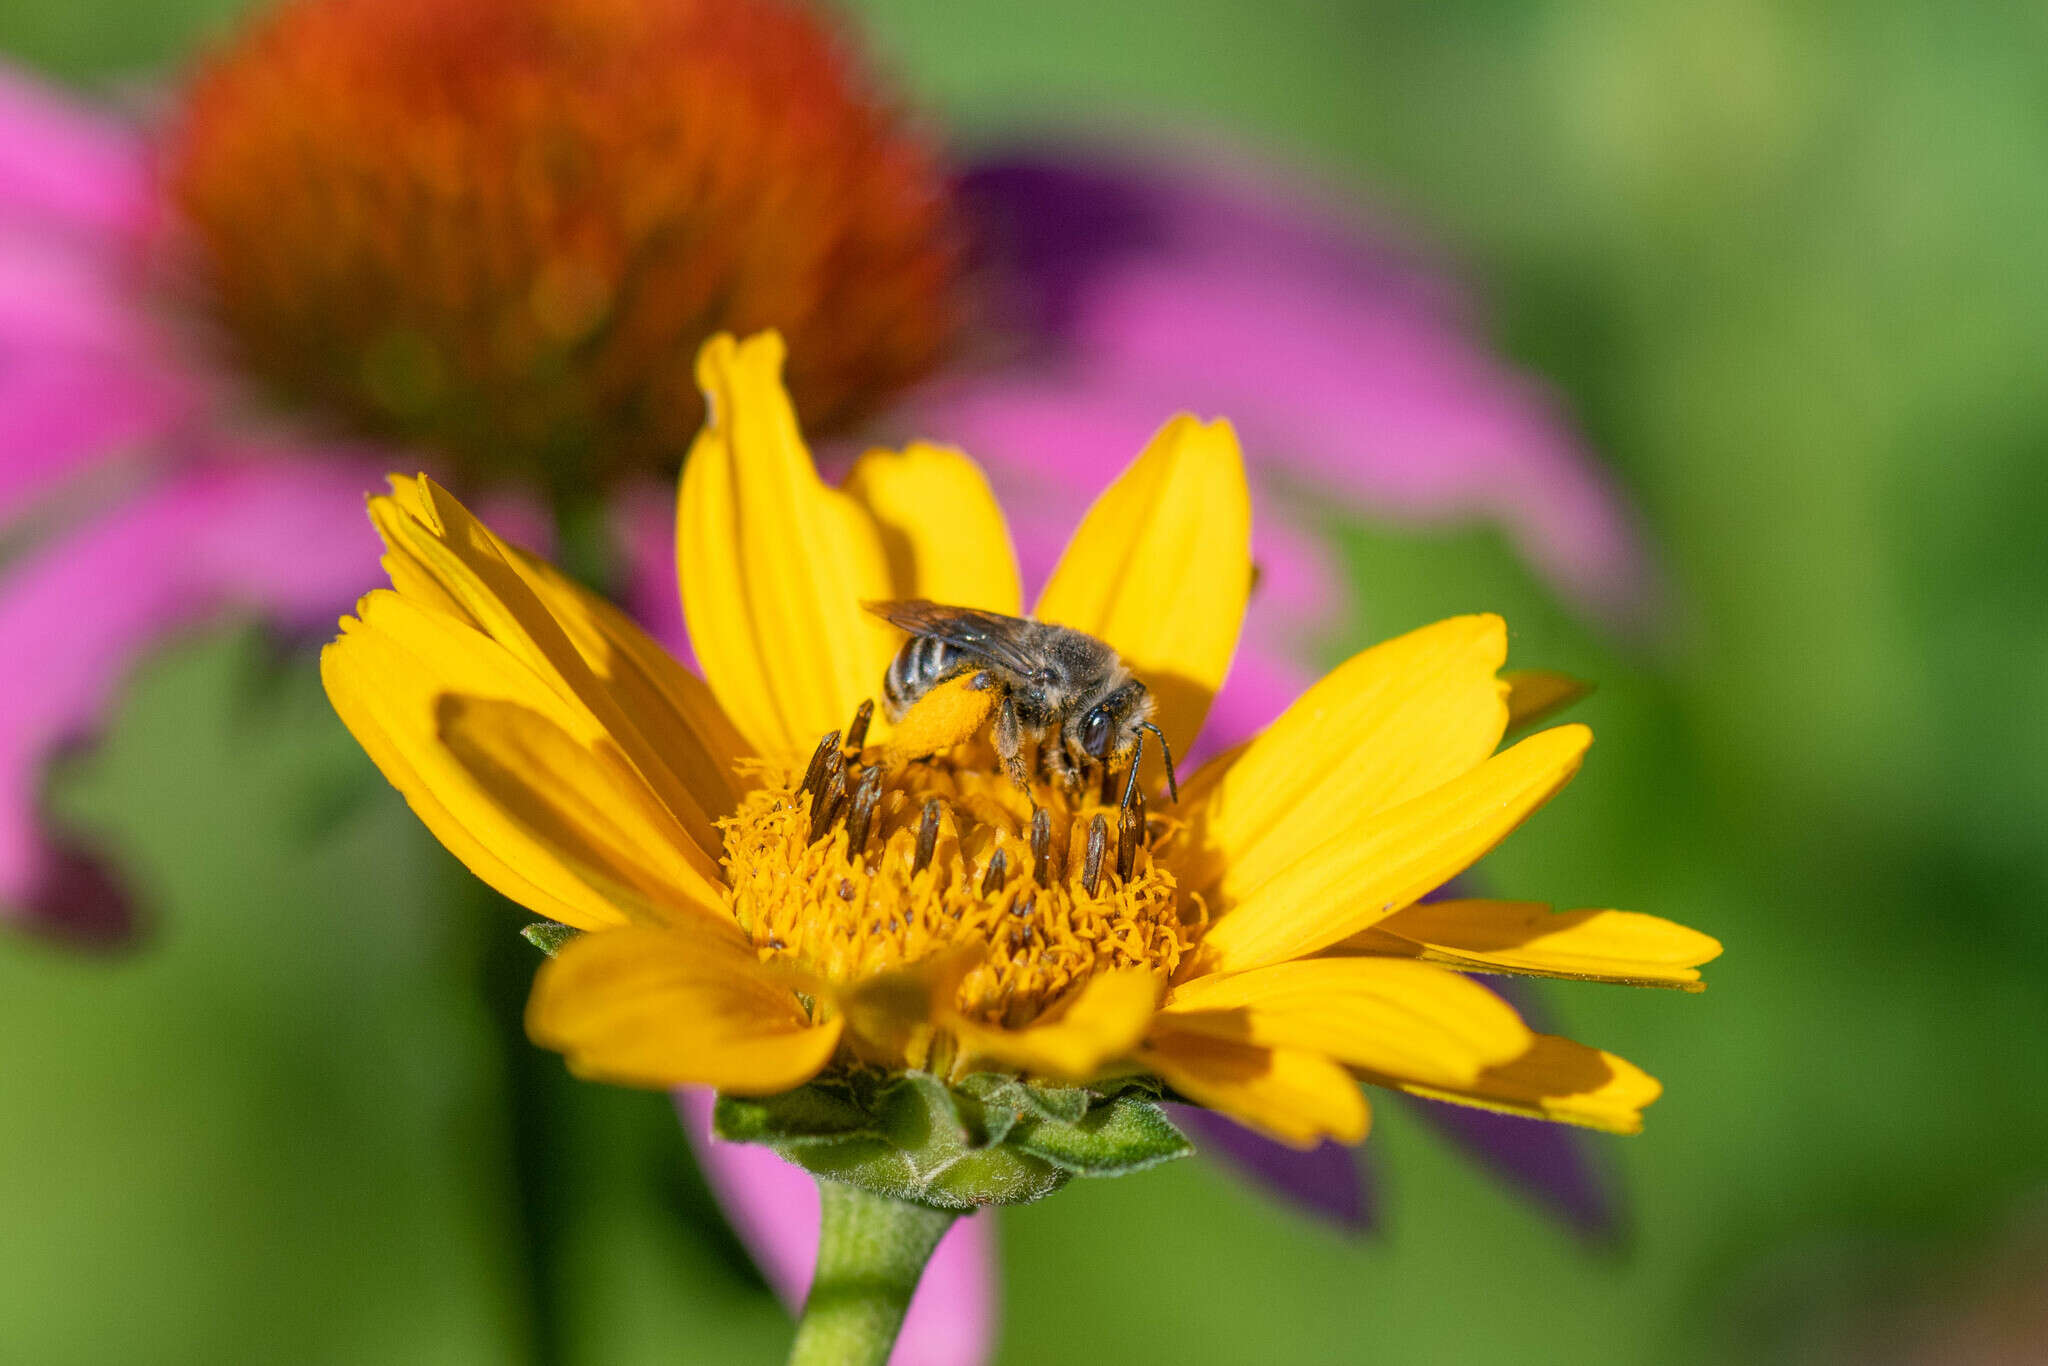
(854, 867)
(501, 230)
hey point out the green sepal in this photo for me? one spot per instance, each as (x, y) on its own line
(548, 936)
(993, 1104)
(818, 1113)
(1125, 1134)
(987, 1139)
(926, 1154)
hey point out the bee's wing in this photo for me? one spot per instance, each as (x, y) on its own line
(991, 636)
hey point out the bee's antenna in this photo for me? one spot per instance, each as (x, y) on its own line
(1172, 783)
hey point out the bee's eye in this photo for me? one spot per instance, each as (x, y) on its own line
(1095, 729)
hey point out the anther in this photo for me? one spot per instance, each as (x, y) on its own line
(927, 837)
(814, 776)
(857, 733)
(998, 873)
(1024, 906)
(863, 813)
(825, 806)
(1129, 827)
(834, 770)
(846, 892)
(1041, 846)
(1098, 841)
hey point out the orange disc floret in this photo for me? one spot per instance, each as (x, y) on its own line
(502, 228)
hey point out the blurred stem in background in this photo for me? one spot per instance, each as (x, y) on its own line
(539, 1113)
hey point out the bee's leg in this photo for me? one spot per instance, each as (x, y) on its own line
(1009, 738)
(1062, 764)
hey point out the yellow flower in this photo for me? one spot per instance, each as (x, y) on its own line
(766, 905)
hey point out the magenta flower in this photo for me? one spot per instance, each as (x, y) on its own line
(138, 496)
(128, 507)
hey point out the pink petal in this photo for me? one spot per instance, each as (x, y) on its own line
(774, 1208)
(1346, 365)
(287, 538)
(63, 418)
(87, 375)
(644, 527)
(65, 166)
(1264, 680)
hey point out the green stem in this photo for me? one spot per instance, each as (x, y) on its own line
(871, 1252)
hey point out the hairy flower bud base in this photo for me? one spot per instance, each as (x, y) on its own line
(987, 1139)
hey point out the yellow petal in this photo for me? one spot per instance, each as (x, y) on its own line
(1406, 1019)
(1102, 1024)
(773, 564)
(1297, 1097)
(1161, 567)
(1392, 723)
(1537, 694)
(1556, 1079)
(343, 673)
(941, 528)
(583, 803)
(1528, 938)
(944, 717)
(442, 557)
(387, 675)
(1362, 875)
(672, 706)
(893, 1015)
(664, 1007)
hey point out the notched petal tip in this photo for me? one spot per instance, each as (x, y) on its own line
(1527, 938)
(1536, 695)
(772, 564)
(1161, 568)
(1556, 1079)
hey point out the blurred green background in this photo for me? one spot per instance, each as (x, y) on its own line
(1783, 261)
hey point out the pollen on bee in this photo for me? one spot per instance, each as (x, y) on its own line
(851, 868)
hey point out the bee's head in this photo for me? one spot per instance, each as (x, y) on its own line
(1114, 729)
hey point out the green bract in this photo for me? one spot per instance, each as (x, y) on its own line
(987, 1139)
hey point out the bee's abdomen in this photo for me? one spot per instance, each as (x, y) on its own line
(922, 663)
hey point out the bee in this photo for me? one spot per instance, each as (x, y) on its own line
(1061, 687)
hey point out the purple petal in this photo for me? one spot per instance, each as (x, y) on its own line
(77, 894)
(1345, 364)
(773, 1206)
(1547, 1162)
(284, 537)
(1058, 223)
(65, 166)
(1553, 1164)
(1328, 1181)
